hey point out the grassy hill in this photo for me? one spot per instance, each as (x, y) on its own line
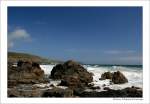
(14, 57)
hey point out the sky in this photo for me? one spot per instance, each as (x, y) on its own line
(91, 35)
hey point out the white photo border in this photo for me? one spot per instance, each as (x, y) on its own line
(146, 52)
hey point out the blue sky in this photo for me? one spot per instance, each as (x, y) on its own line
(96, 35)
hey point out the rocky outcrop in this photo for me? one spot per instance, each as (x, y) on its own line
(25, 73)
(116, 77)
(72, 74)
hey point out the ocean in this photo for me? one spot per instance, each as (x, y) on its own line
(134, 74)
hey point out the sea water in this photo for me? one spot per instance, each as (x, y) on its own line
(134, 74)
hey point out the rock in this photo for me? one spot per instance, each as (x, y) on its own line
(106, 75)
(52, 85)
(25, 73)
(134, 91)
(13, 92)
(12, 83)
(106, 88)
(58, 92)
(90, 85)
(34, 64)
(95, 87)
(78, 91)
(116, 77)
(71, 81)
(21, 91)
(127, 92)
(104, 85)
(72, 74)
(57, 72)
(26, 66)
(109, 93)
(119, 78)
(20, 62)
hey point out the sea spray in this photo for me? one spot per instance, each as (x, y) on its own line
(134, 74)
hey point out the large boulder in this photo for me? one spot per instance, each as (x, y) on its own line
(119, 78)
(116, 77)
(25, 73)
(72, 74)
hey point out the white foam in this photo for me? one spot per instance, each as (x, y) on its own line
(47, 68)
(134, 76)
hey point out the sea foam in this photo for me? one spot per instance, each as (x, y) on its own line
(133, 74)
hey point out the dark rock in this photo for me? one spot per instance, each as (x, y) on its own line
(127, 92)
(26, 66)
(57, 72)
(106, 88)
(109, 93)
(52, 85)
(95, 87)
(34, 64)
(19, 63)
(72, 74)
(90, 85)
(119, 78)
(106, 75)
(116, 77)
(57, 92)
(104, 85)
(78, 91)
(134, 92)
(110, 82)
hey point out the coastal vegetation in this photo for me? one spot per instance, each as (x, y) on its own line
(14, 57)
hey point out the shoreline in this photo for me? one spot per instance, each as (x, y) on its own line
(49, 87)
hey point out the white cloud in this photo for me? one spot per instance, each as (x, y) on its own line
(17, 34)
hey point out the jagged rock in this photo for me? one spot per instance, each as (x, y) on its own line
(72, 74)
